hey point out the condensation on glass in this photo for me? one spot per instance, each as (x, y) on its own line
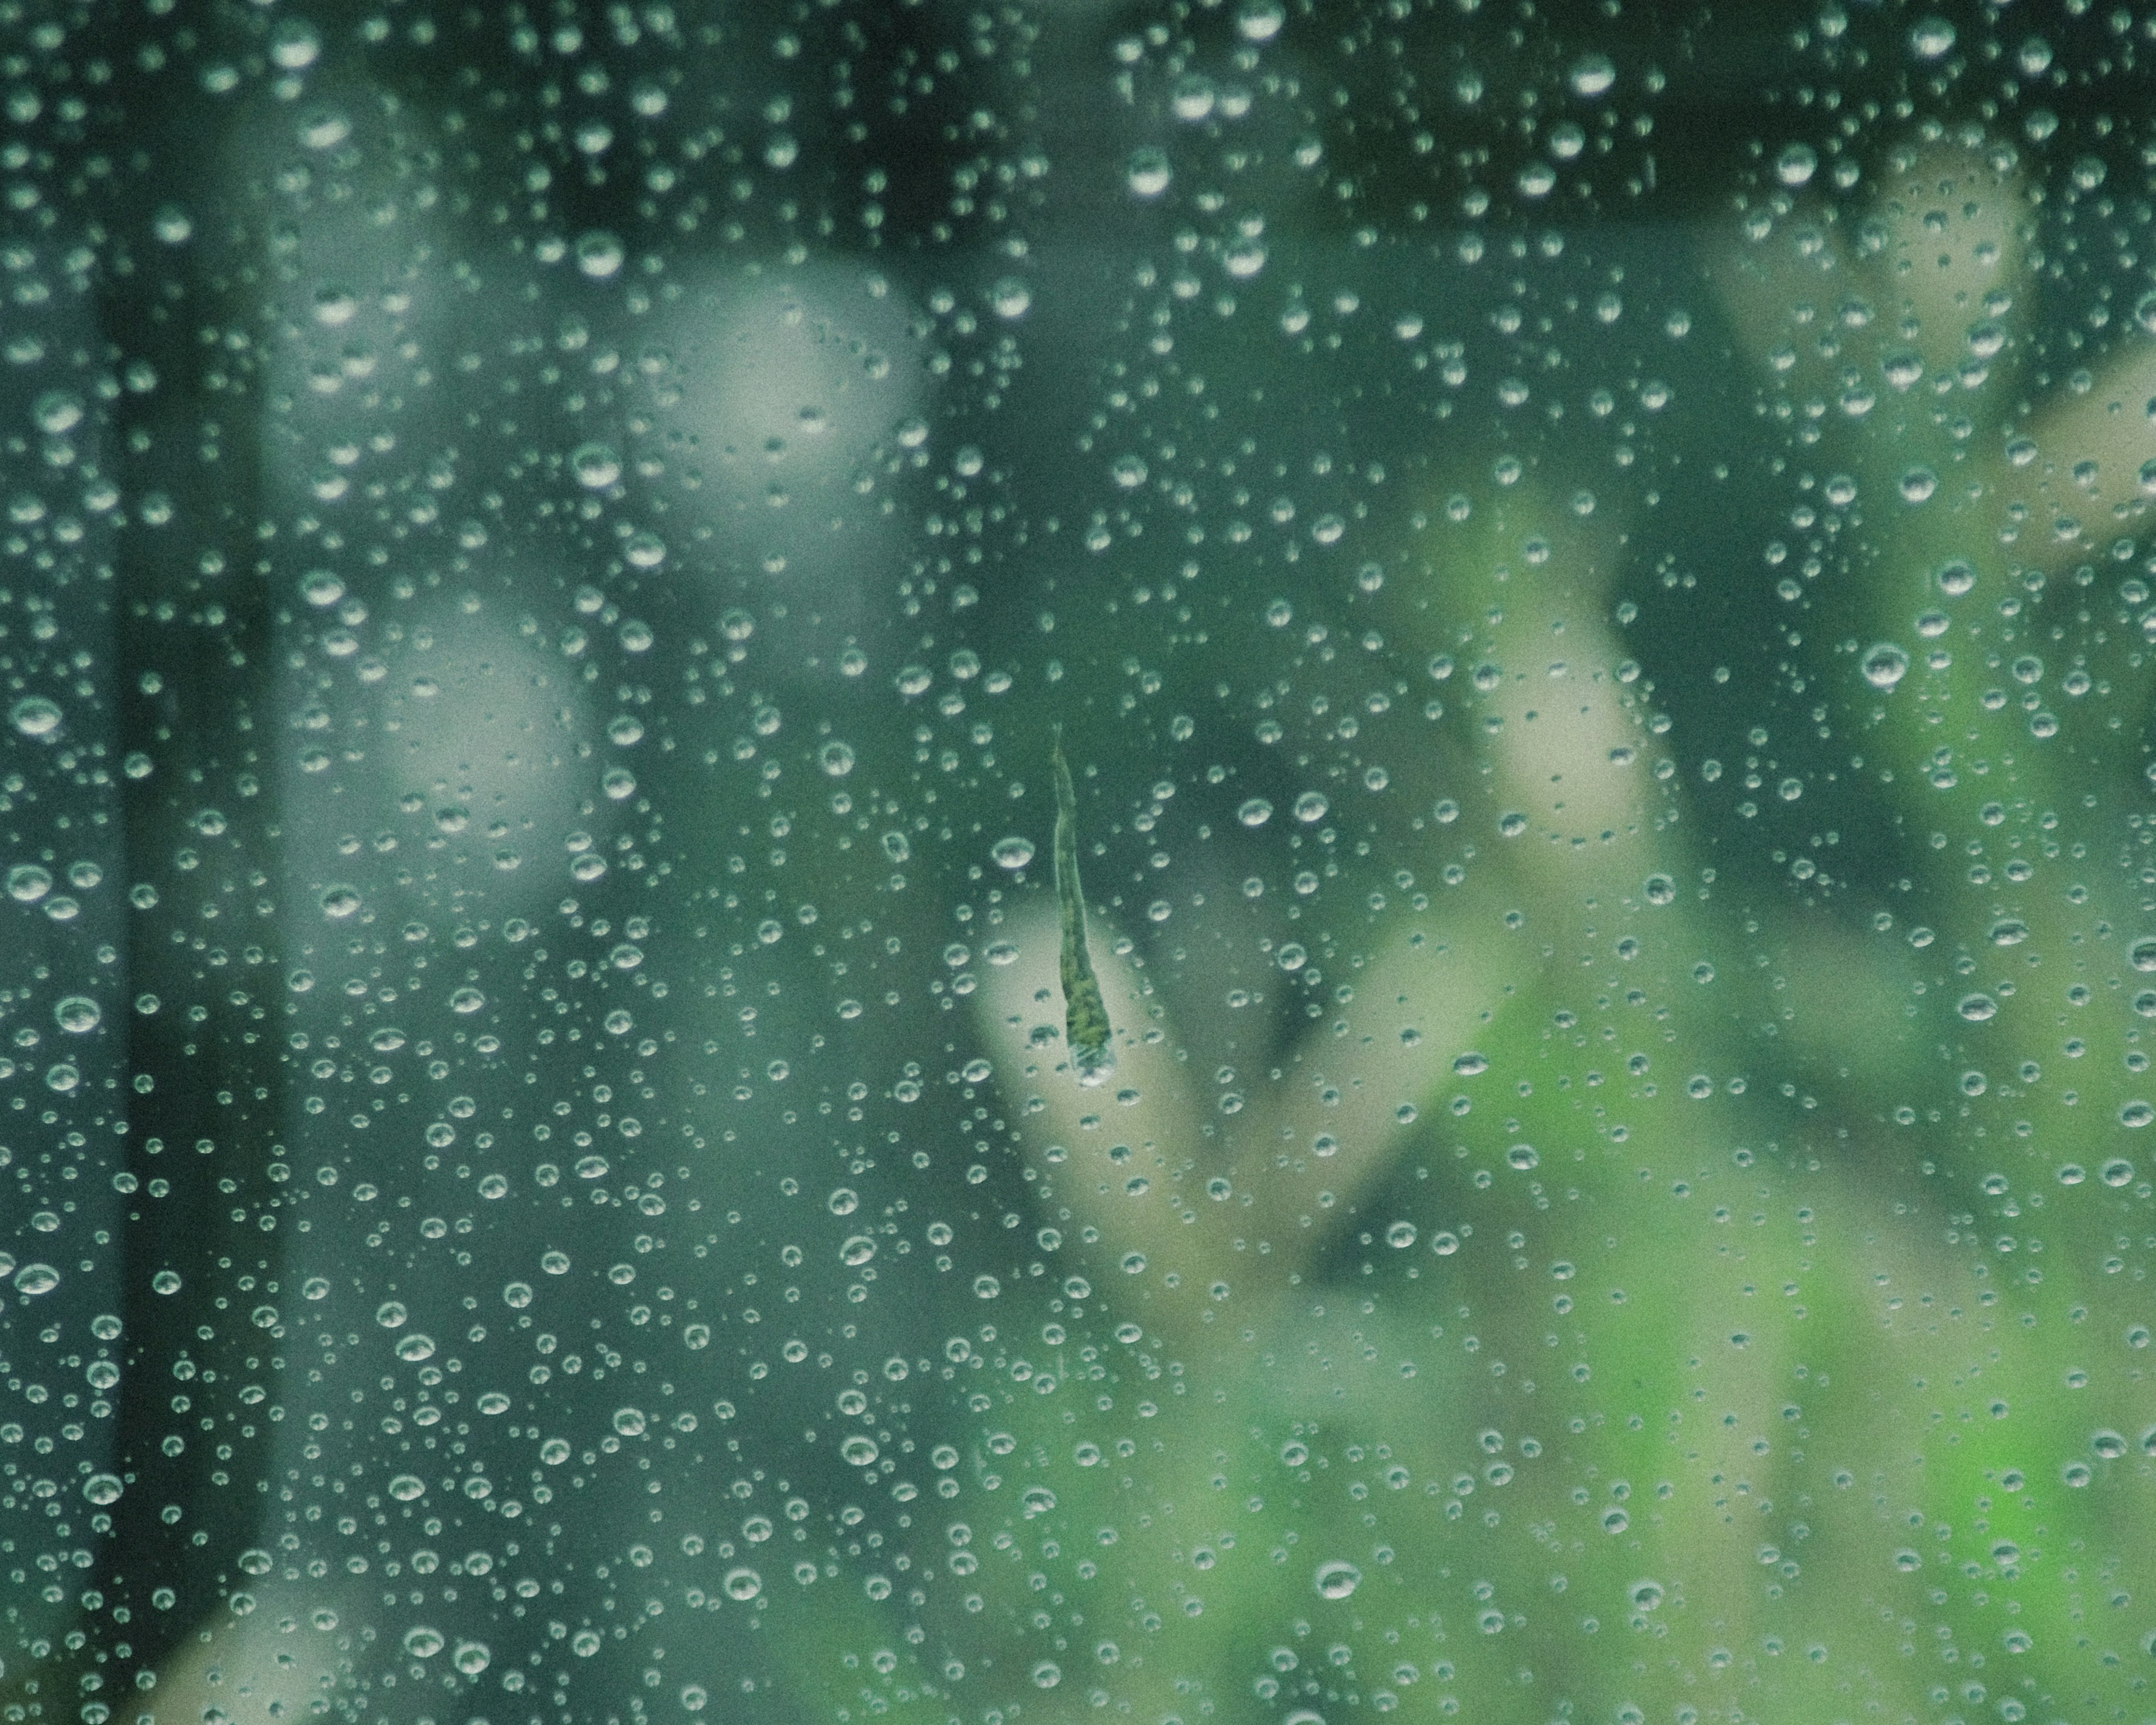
(1591, 572)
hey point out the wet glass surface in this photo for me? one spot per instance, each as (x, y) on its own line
(1591, 568)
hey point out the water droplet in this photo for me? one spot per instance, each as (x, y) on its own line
(1645, 1595)
(103, 1488)
(467, 1000)
(1259, 20)
(2136, 1115)
(77, 1013)
(2009, 931)
(1918, 483)
(1010, 297)
(1255, 812)
(36, 1278)
(35, 716)
(1471, 1065)
(423, 1642)
(1884, 665)
(407, 1486)
(860, 1451)
(2117, 1172)
(1977, 1008)
(1931, 38)
(1956, 578)
(1047, 1674)
(1310, 806)
(628, 1422)
(1592, 75)
(1796, 165)
(1148, 173)
(1338, 1579)
(339, 902)
(595, 465)
(598, 254)
(472, 1657)
(1400, 1235)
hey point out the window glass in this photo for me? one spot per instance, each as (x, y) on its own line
(971, 861)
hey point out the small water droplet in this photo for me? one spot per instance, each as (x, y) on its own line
(1796, 165)
(1931, 38)
(595, 465)
(1338, 1579)
(1148, 173)
(1884, 665)
(1592, 75)
(598, 254)
(35, 716)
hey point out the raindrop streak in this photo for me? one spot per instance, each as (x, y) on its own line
(1085, 1015)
